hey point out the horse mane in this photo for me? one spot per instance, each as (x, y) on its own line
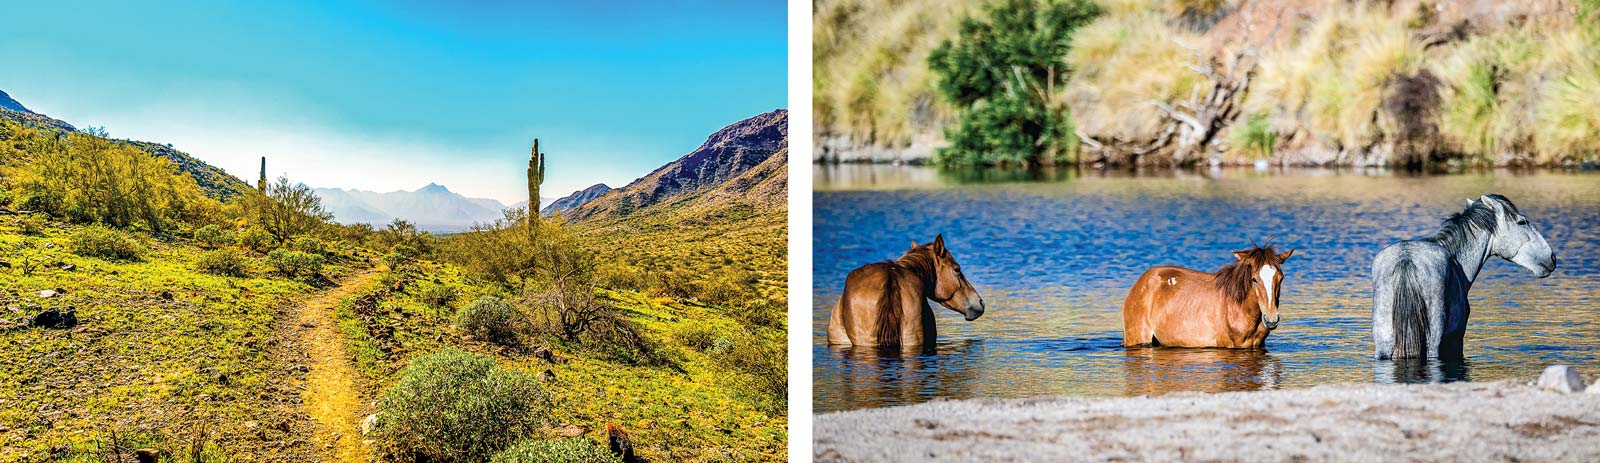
(917, 260)
(1478, 217)
(1234, 279)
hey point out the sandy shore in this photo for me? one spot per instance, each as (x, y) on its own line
(1497, 421)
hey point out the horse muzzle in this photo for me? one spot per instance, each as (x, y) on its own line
(975, 311)
(1270, 322)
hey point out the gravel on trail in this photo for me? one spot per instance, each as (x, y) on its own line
(1493, 421)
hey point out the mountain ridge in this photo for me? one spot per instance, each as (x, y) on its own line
(432, 207)
(727, 155)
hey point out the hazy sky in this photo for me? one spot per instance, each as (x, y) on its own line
(393, 95)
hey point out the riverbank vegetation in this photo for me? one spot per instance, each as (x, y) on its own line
(1304, 82)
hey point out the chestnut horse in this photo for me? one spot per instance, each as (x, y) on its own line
(1235, 307)
(886, 303)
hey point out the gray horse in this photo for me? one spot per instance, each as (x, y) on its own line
(1419, 287)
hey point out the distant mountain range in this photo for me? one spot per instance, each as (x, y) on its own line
(7, 103)
(432, 207)
(745, 163)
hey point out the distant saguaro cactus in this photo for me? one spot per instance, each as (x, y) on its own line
(261, 185)
(535, 177)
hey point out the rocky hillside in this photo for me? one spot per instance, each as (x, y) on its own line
(577, 198)
(745, 156)
(432, 207)
(216, 182)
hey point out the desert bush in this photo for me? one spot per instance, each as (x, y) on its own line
(699, 336)
(212, 236)
(1001, 74)
(498, 252)
(568, 310)
(105, 243)
(572, 450)
(295, 264)
(287, 209)
(490, 319)
(622, 276)
(225, 262)
(764, 368)
(456, 406)
(256, 239)
(308, 245)
(93, 180)
(31, 224)
(1120, 63)
(436, 295)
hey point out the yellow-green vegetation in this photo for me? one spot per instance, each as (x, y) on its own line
(131, 320)
(162, 356)
(1123, 62)
(693, 370)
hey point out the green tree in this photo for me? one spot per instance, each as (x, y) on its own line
(1004, 74)
(287, 210)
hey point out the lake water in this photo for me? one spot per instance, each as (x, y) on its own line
(1053, 253)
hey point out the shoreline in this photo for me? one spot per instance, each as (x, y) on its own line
(1507, 420)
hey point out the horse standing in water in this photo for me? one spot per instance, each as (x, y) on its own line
(1236, 307)
(886, 304)
(1419, 287)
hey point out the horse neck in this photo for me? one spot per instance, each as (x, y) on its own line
(1468, 245)
(919, 263)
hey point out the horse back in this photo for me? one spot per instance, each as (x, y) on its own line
(871, 306)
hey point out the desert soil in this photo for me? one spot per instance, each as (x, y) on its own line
(332, 396)
(1494, 421)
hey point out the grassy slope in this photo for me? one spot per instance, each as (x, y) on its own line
(214, 364)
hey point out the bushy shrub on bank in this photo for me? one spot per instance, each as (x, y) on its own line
(105, 243)
(576, 450)
(455, 406)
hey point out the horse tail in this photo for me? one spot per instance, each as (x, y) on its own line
(1410, 315)
(889, 310)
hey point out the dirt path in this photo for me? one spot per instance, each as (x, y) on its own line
(331, 396)
(1498, 421)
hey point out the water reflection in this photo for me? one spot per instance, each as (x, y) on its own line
(1411, 371)
(1155, 370)
(1054, 250)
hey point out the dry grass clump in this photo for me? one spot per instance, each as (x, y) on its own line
(1123, 62)
(870, 76)
(1330, 79)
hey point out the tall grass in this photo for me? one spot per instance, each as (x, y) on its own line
(870, 75)
(1330, 79)
(1123, 62)
(1567, 115)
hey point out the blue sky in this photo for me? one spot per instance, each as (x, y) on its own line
(393, 95)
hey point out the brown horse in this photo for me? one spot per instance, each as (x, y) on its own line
(1235, 307)
(886, 304)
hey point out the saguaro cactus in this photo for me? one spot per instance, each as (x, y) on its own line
(535, 177)
(261, 185)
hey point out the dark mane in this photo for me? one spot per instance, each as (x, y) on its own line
(1459, 228)
(1234, 279)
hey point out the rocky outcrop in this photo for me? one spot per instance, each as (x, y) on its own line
(577, 198)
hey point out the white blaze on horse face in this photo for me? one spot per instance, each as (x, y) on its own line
(1267, 272)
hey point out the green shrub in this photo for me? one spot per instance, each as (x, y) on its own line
(489, 319)
(212, 236)
(577, 450)
(256, 239)
(394, 260)
(696, 335)
(406, 251)
(456, 406)
(1256, 136)
(226, 262)
(308, 245)
(295, 264)
(436, 295)
(765, 367)
(105, 243)
(31, 224)
(1001, 73)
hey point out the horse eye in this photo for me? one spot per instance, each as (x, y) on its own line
(1522, 221)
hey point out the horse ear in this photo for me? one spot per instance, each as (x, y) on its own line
(1285, 256)
(914, 244)
(1469, 202)
(938, 243)
(1495, 204)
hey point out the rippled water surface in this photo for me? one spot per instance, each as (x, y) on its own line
(1054, 253)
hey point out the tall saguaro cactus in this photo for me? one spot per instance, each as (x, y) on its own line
(261, 185)
(535, 177)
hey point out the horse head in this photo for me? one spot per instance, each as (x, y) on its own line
(1265, 267)
(950, 286)
(1515, 239)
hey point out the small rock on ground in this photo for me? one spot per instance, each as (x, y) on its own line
(1561, 378)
